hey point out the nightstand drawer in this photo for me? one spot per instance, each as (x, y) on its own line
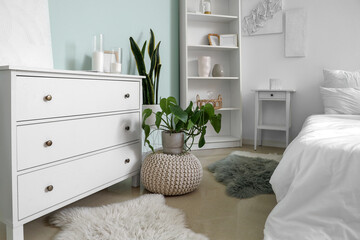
(39, 98)
(44, 143)
(48, 187)
(272, 95)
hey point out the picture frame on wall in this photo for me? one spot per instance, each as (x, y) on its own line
(214, 39)
(228, 40)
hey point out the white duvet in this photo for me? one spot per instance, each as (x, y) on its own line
(317, 183)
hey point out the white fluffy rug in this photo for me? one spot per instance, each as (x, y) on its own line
(144, 218)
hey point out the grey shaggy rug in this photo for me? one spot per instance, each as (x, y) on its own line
(245, 174)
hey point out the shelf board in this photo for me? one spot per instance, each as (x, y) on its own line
(228, 109)
(209, 47)
(213, 78)
(272, 127)
(210, 17)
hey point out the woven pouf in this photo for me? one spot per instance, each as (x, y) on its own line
(171, 174)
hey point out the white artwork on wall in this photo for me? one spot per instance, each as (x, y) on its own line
(295, 33)
(264, 17)
(25, 38)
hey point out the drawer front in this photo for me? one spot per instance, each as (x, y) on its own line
(38, 98)
(74, 178)
(272, 95)
(48, 142)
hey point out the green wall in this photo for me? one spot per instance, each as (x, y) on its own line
(74, 22)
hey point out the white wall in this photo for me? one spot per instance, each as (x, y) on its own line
(333, 42)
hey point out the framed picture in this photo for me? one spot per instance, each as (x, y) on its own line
(213, 39)
(230, 40)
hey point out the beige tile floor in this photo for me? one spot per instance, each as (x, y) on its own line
(208, 209)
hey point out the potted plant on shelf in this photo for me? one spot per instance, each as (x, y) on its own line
(180, 127)
(150, 83)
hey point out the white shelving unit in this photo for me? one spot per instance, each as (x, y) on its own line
(194, 30)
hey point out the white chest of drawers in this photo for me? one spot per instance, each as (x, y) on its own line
(63, 136)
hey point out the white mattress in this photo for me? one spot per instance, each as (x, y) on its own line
(317, 183)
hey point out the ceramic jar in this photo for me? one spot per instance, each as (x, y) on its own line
(218, 70)
(204, 66)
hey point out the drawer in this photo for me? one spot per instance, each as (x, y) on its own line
(272, 95)
(74, 178)
(48, 142)
(69, 97)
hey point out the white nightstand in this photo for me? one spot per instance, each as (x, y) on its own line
(271, 95)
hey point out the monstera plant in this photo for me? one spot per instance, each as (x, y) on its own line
(152, 74)
(180, 127)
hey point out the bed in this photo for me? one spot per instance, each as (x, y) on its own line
(317, 183)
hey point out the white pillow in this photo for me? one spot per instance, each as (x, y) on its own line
(341, 79)
(341, 100)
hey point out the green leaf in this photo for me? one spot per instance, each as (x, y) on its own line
(190, 124)
(179, 126)
(204, 118)
(188, 110)
(216, 122)
(179, 113)
(209, 109)
(158, 119)
(143, 49)
(157, 74)
(195, 117)
(202, 137)
(153, 64)
(151, 147)
(165, 104)
(138, 57)
(151, 46)
(146, 113)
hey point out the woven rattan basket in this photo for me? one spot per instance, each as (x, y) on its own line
(171, 174)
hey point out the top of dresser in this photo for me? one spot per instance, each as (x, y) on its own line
(42, 71)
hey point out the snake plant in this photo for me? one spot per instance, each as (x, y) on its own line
(151, 81)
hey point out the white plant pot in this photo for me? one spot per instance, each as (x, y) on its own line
(204, 66)
(155, 108)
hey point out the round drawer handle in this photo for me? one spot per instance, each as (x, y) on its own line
(127, 160)
(272, 94)
(127, 95)
(48, 98)
(48, 143)
(127, 128)
(49, 188)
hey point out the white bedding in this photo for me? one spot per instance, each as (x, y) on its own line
(317, 183)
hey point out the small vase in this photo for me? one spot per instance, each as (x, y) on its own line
(218, 70)
(173, 143)
(204, 66)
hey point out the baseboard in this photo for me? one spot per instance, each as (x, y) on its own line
(267, 143)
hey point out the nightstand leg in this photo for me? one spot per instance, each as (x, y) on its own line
(287, 117)
(287, 137)
(15, 233)
(135, 180)
(256, 119)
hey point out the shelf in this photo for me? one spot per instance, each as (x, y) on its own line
(209, 47)
(271, 127)
(228, 109)
(210, 17)
(213, 78)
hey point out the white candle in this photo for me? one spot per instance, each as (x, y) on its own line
(116, 67)
(98, 61)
